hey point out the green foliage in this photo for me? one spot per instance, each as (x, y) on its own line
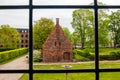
(5, 49)
(8, 55)
(82, 22)
(114, 27)
(37, 56)
(81, 55)
(75, 40)
(9, 37)
(103, 28)
(41, 30)
(115, 55)
(67, 32)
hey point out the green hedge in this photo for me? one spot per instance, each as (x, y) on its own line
(8, 55)
(115, 55)
(5, 49)
(81, 55)
(86, 55)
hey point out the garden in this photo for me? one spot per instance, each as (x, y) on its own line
(84, 59)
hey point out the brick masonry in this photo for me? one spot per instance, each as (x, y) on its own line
(57, 47)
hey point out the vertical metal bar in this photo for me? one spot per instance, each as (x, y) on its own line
(96, 41)
(30, 41)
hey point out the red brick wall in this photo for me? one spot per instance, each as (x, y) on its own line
(57, 47)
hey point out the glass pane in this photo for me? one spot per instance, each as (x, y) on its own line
(14, 2)
(62, 2)
(108, 2)
(14, 76)
(14, 39)
(64, 76)
(63, 47)
(109, 38)
(110, 76)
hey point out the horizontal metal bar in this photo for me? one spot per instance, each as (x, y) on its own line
(61, 71)
(58, 6)
(15, 7)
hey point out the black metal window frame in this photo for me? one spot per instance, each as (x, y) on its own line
(30, 7)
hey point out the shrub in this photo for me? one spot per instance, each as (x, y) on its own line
(105, 57)
(81, 55)
(115, 55)
(37, 56)
(8, 55)
(80, 58)
(5, 49)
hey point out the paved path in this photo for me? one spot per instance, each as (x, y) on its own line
(18, 64)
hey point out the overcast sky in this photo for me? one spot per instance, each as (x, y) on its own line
(20, 18)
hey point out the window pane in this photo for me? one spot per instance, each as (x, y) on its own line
(14, 76)
(109, 38)
(14, 2)
(62, 2)
(110, 76)
(64, 76)
(57, 48)
(13, 30)
(109, 2)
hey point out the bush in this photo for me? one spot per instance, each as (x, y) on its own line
(115, 55)
(80, 58)
(5, 49)
(81, 55)
(8, 55)
(37, 56)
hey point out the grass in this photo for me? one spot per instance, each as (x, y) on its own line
(76, 76)
(25, 77)
(62, 66)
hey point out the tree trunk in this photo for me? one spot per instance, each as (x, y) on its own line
(82, 43)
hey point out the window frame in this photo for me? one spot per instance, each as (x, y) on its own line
(30, 7)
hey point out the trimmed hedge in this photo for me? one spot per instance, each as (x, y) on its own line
(5, 49)
(115, 55)
(8, 55)
(81, 55)
(86, 55)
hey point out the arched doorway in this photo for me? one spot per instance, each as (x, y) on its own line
(66, 56)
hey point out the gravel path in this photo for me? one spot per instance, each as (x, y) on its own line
(18, 64)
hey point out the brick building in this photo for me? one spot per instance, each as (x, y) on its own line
(57, 47)
(24, 36)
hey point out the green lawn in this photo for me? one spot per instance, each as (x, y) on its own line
(76, 76)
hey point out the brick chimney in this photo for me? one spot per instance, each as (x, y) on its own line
(57, 21)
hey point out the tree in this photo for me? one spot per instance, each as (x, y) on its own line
(75, 39)
(41, 30)
(67, 32)
(103, 28)
(81, 22)
(9, 37)
(114, 27)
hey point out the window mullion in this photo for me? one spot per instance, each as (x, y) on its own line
(96, 41)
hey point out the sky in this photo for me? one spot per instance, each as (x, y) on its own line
(20, 18)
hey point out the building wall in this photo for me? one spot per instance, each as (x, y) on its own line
(57, 47)
(24, 36)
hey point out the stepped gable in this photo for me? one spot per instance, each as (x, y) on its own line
(57, 47)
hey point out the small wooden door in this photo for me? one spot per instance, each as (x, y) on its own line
(66, 56)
